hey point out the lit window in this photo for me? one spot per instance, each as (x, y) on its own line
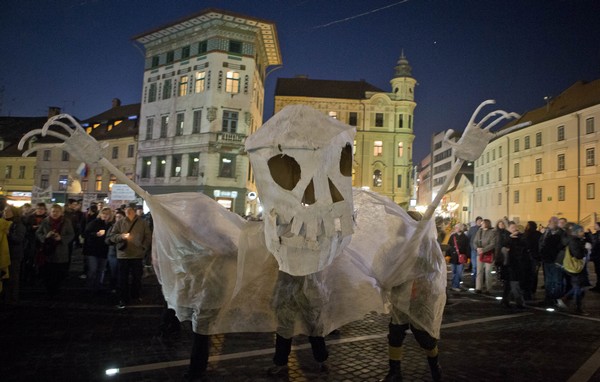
(113, 180)
(199, 82)
(63, 182)
(400, 149)
(98, 182)
(378, 148)
(232, 84)
(183, 86)
(333, 114)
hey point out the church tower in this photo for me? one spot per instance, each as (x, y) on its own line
(403, 95)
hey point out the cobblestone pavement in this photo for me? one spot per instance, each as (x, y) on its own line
(77, 336)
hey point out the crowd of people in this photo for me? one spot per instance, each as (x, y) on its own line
(40, 244)
(515, 254)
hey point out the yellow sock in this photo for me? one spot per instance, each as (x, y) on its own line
(395, 353)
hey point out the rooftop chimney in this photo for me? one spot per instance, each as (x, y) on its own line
(116, 102)
(53, 111)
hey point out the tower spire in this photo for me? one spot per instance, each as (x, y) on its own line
(403, 69)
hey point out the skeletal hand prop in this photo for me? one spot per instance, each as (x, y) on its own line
(78, 143)
(475, 138)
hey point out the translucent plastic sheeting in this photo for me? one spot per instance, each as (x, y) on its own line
(216, 271)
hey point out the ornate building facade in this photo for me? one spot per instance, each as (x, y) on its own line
(383, 120)
(203, 94)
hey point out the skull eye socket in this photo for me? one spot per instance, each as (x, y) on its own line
(346, 160)
(285, 171)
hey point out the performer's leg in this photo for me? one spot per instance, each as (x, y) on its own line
(396, 335)
(199, 356)
(319, 350)
(429, 344)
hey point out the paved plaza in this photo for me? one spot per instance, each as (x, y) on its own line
(78, 336)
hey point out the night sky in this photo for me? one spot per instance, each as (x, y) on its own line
(78, 54)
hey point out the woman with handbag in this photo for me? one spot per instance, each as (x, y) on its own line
(485, 240)
(458, 250)
(574, 262)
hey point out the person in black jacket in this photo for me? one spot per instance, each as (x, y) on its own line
(514, 265)
(97, 248)
(594, 238)
(551, 243)
(458, 244)
(531, 242)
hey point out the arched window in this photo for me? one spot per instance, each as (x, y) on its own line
(377, 178)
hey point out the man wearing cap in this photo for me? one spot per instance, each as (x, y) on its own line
(132, 237)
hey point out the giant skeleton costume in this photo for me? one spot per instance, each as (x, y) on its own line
(325, 254)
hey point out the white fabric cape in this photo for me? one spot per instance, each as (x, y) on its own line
(216, 271)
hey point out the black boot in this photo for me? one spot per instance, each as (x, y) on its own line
(283, 347)
(198, 358)
(436, 369)
(394, 375)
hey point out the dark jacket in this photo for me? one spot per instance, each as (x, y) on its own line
(551, 243)
(462, 242)
(16, 240)
(516, 262)
(531, 241)
(95, 245)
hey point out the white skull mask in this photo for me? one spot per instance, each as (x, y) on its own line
(302, 162)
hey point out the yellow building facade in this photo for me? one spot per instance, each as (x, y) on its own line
(549, 168)
(383, 121)
(16, 171)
